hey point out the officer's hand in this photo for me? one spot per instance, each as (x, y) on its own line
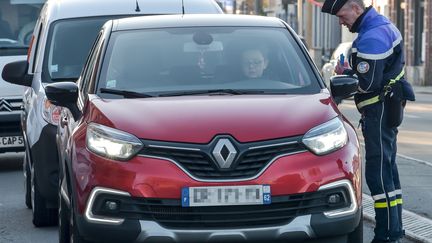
(339, 69)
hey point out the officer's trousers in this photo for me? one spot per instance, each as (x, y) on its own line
(381, 171)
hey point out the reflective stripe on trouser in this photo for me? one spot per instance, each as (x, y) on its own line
(381, 171)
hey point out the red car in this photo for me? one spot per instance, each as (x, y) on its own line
(204, 128)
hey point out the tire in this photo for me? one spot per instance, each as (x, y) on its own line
(63, 219)
(357, 235)
(27, 181)
(68, 230)
(42, 216)
(75, 236)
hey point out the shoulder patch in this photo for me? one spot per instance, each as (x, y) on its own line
(363, 67)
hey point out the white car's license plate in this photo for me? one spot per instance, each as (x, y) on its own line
(226, 195)
(11, 141)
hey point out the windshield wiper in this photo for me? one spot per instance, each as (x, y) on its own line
(71, 79)
(13, 47)
(125, 93)
(213, 91)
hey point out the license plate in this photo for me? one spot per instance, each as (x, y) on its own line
(226, 195)
(11, 142)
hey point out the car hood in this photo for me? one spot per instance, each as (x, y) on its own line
(198, 119)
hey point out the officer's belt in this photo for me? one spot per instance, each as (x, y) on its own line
(379, 97)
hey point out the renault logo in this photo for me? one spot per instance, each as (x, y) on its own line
(224, 153)
(5, 106)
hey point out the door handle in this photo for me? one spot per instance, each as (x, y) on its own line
(63, 121)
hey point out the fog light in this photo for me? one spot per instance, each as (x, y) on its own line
(111, 205)
(334, 199)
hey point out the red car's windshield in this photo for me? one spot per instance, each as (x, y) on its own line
(163, 61)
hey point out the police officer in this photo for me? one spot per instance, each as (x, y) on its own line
(378, 62)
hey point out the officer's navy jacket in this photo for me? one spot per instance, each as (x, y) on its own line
(377, 56)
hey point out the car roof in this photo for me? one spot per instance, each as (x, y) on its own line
(65, 9)
(166, 21)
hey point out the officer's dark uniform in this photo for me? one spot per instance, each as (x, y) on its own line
(378, 62)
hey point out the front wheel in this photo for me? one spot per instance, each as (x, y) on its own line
(75, 236)
(27, 181)
(64, 216)
(357, 235)
(68, 230)
(42, 216)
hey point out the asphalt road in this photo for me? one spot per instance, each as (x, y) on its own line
(15, 219)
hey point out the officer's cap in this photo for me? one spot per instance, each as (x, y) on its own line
(332, 6)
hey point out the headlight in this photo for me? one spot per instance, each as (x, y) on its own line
(111, 143)
(50, 112)
(326, 137)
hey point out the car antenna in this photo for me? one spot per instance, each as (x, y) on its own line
(183, 6)
(137, 9)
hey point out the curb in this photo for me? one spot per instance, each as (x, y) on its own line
(417, 228)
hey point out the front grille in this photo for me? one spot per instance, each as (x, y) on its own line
(250, 161)
(10, 128)
(10, 105)
(170, 213)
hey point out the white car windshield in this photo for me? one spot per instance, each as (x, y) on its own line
(169, 60)
(69, 42)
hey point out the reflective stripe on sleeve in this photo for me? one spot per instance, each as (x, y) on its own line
(401, 74)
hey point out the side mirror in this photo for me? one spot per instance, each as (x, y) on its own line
(343, 87)
(64, 94)
(16, 73)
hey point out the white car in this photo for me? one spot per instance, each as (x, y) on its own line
(16, 29)
(328, 68)
(62, 38)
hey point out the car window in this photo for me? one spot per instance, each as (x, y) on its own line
(17, 21)
(83, 82)
(35, 45)
(69, 42)
(176, 59)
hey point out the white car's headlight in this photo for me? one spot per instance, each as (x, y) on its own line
(111, 143)
(326, 137)
(50, 112)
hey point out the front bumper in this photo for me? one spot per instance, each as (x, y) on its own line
(309, 225)
(301, 229)
(10, 126)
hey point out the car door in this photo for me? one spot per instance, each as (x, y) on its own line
(32, 53)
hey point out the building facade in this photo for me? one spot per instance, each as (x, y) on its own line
(414, 19)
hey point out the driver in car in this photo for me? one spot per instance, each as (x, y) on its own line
(254, 62)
